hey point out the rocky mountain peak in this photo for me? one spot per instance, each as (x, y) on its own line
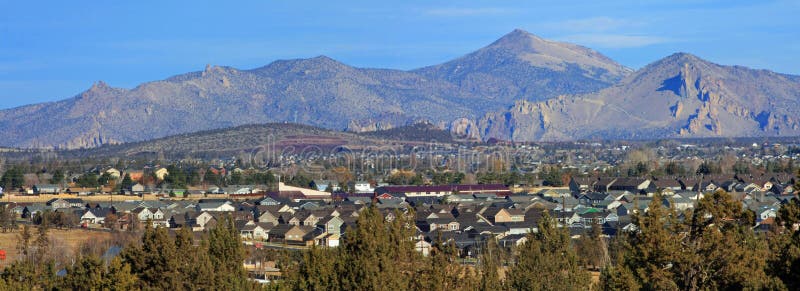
(519, 40)
(678, 62)
(208, 70)
(540, 52)
(684, 57)
(97, 89)
(99, 86)
(323, 62)
(304, 67)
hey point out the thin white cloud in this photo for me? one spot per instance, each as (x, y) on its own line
(593, 24)
(462, 12)
(603, 40)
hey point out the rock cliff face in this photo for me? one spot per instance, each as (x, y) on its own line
(464, 127)
(678, 96)
(318, 91)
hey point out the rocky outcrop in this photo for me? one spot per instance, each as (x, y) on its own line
(678, 96)
(464, 127)
(368, 125)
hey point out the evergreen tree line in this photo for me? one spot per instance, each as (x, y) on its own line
(710, 247)
(159, 261)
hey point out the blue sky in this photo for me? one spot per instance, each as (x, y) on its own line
(56, 49)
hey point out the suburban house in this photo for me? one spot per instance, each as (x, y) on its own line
(254, 231)
(581, 184)
(512, 240)
(442, 190)
(94, 216)
(331, 225)
(61, 203)
(239, 190)
(633, 185)
(201, 221)
(671, 184)
(215, 206)
(81, 191)
(496, 215)
(268, 201)
(361, 187)
(46, 189)
(265, 214)
(299, 193)
(326, 185)
(145, 214)
(137, 189)
(292, 234)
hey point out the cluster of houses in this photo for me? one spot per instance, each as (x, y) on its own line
(464, 214)
(139, 189)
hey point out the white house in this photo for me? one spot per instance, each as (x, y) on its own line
(363, 187)
(215, 206)
(254, 231)
(93, 216)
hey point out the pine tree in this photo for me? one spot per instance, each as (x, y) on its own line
(155, 261)
(376, 254)
(618, 277)
(546, 261)
(443, 272)
(653, 248)
(227, 254)
(127, 183)
(7, 221)
(24, 241)
(317, 271)
(202, 274)
(20, 275)
(591, 247)
(721, 250)
(42, 240)
(13, 178)
(785, 245)
(490, 262)
(186, 257)
(119, 276)
(87, 273)
(436, 273)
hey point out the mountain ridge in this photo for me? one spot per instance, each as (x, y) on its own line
(319, 91)
(519, 87)
(680, 95)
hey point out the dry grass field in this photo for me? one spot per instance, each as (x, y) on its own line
(63, 242)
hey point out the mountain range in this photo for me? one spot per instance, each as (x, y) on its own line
(678, 96)
(520, 87)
